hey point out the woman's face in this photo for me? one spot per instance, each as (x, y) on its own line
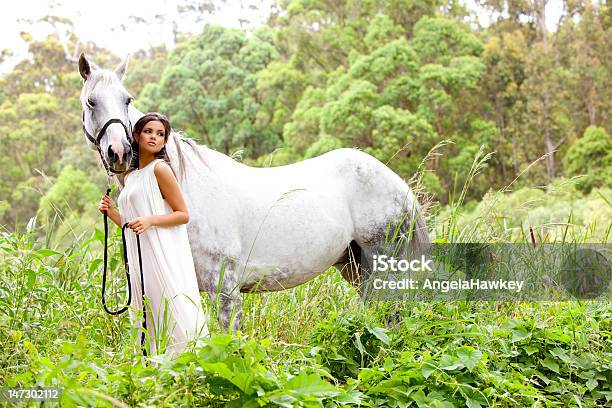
(152, 137)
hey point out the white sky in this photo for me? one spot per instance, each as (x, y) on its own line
(99, 21)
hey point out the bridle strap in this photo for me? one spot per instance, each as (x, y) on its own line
(101, 132)
(96, 141)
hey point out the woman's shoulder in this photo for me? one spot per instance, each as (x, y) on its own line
(162, 171)
(161, 166)
(158, 161)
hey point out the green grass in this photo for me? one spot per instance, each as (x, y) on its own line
(313, 345)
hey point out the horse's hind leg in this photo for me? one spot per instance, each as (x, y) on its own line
(402, 238)
(355, 268)
(349, 264)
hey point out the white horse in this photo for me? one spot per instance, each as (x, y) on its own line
(260, 229)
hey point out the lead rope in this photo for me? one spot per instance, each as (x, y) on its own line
(127, 274)
(108, 170)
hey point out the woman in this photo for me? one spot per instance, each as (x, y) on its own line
(152, 204)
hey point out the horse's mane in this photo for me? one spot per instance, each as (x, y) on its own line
(184, 138)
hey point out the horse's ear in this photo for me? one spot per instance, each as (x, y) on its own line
(122, 67)
(84, 68)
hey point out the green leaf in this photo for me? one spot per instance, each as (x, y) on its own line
(388, 365)
(561, 355)
(469, 356)
(550, 364)
(380, 333)
(219, 369)
(450, 363)
(95, 264)
(427, 369)
(519, 334)
(607, 394)
(359, 345)
(472, 403)
(591, 384)
(46, 362)
(99, 236)
(530, 350)
(420, 399)
(46, 252)
(310, 384)
(351, 397)
(558, 336)
(544, 378)
(31, 278)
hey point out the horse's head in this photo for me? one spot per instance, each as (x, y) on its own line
(106, 119)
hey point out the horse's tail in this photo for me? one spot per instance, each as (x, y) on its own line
(420, 232)
(414, 231)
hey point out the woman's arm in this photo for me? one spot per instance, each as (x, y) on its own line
(169, 187)
(172, 192)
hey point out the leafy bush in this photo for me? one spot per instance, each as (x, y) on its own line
(591, 156)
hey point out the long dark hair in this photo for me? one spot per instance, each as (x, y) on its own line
(138, 126)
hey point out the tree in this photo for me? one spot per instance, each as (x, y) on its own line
(209, 89)
(585, 51)
(145, 67)
(34, 133)
(279, 88)
(544, 109)
(591, 156)
(69, 203)
(323, 34)
(396, 101)
(40, 121)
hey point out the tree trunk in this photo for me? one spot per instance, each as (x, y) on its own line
(539, 14)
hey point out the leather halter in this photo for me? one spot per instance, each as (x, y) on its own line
(96, 141)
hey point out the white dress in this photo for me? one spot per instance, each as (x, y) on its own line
(167, 266)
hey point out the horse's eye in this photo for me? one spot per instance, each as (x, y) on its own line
(129, 100)
(91, 103)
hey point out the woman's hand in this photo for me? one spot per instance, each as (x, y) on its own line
(140, 224)
(106, 204)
